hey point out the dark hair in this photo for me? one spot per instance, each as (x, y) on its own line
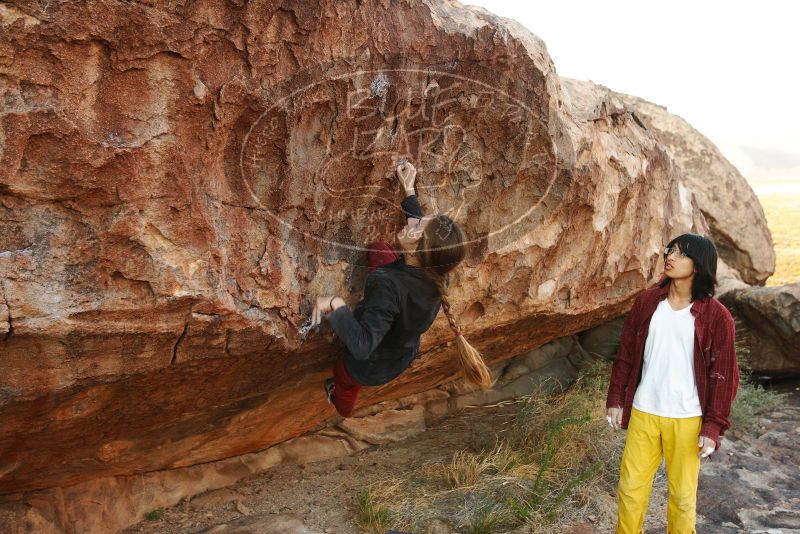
(439, 250)
(704, 255)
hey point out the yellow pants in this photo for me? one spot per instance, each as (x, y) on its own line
(650, 436)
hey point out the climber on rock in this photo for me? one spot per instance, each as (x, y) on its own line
(402, 296)
(672, 384)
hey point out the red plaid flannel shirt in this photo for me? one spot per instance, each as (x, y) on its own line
(715, 367)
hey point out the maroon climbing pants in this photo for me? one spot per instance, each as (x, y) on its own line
(345, 389)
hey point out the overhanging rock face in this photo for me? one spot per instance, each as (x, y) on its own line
(177, 184)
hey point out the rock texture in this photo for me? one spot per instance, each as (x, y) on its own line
(770, 326)
(753, 487)
(263, 524)
(178, 182)
(727, 201)
(112, 503)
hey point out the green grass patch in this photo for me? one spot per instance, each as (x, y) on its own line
(555, 463)
(154, 515)
(373, 515)
(555, 459)
(752, 400)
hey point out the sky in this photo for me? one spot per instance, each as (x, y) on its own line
(729, 68)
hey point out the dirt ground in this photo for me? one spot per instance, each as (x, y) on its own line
(322, 497)
(323, 494)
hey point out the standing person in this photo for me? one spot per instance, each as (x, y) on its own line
(402, 296)
(672, 384)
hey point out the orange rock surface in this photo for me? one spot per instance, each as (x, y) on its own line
(179, 181)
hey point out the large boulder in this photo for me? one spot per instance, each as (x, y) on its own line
(728, 203)
(179, 182)
(770, 326)
(603, 340)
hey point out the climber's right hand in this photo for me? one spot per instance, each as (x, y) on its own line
(407, 174)
(321, 306)
(614, 417)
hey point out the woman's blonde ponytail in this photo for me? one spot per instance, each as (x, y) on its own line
(440, 249)
(475, 370)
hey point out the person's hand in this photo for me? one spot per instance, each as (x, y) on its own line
(707, 446)
(614, 417)
(322, 305)
(407, 174)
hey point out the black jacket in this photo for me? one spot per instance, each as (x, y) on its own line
(382, 333)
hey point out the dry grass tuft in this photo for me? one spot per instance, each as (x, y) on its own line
(554, 464)
(783, 216)
(558, 454)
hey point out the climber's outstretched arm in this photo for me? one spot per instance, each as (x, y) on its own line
(407, 174)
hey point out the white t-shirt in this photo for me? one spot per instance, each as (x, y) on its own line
(668, 387)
